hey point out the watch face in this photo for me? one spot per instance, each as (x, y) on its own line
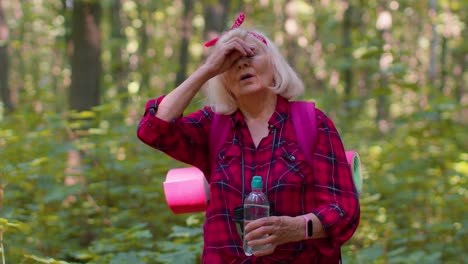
(310, 228)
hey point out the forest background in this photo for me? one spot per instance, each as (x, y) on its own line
(76, 186)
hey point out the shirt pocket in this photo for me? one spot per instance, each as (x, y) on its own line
(293, 167)
(290, 183)
(228, 163)
(225, 184)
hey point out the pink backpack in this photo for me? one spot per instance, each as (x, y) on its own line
(187, 189)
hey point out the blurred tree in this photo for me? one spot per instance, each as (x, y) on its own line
(2, 248)
(86, 57)
(118, 65)
(85, 88)
(348, 55)
(384, 25)
(347, 50)
(4, 38)
(145, 29)
(215, 14)
(186, 33)
(290, 22)
(433, 51)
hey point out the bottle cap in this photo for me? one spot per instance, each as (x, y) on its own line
(257, 182)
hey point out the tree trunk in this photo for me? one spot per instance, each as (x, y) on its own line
(145, 14)
(2, 248)
(460, 83)
(184, 45)
(460, 93)
(4, 62)
(434, 44)
(216, 14)
(443, 66)
(63, 56)
(118, 67)
(86, 57)
(84, 92)
(291, 36)
(384, 24)
(347, 45)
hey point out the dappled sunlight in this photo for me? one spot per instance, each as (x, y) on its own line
(76, 185)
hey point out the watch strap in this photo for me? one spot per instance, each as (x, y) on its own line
(309, 226)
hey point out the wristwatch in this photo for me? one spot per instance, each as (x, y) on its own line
(309, 226)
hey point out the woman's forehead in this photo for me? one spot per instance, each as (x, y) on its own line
(255, 42)
(250, 36)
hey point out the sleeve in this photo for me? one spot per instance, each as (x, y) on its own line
(334, 191)
(184, 138)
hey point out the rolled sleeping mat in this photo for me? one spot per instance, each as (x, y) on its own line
(355, 163)
(186, 190)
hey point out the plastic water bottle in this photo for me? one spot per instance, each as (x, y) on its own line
(256, 206)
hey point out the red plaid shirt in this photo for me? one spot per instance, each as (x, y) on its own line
(293, 186)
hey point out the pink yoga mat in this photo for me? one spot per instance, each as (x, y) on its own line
(186, 190)
(355, 163)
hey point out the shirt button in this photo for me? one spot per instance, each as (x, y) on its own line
(292, 158)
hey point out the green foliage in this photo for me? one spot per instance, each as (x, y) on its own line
(90, 219)
(415, 187)
(184, 244)
(110, 208)
(36, 259)
(11, 226)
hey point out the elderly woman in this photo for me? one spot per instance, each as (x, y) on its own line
(248, 79)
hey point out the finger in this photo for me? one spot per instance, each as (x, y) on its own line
(249, 50)
(234, 46)
(234, 56)
(265, 221)
(262, 247)
(261, 241)
(259, 233)
(264, 252)
(242, 46)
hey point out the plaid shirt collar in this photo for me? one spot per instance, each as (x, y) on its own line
(279, 117)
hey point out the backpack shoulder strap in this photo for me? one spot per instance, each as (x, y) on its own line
(303, 119)
(305, 127)
(218, 133)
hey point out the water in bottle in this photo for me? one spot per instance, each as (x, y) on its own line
(256, 206)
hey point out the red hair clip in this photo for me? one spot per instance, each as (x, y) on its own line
(237, 23)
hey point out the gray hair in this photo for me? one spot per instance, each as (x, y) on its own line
(286, 82)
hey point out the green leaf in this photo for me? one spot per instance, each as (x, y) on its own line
(13, 225)
(127, 257)
(44, 260)
(179, 256)
(367, 52)
(379, 91)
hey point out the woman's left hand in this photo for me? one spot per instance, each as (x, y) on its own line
(273, 231)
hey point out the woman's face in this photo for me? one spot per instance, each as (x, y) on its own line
(250, 75)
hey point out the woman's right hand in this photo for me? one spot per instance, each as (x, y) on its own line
(226, 54)
(220, 60)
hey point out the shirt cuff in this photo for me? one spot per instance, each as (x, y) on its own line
(150, 122)
(152, 106)
(331, 217)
